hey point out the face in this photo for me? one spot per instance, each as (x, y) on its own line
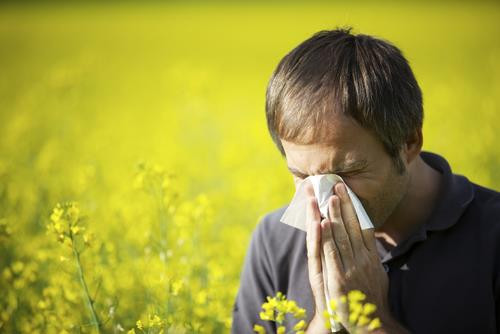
(357, 156)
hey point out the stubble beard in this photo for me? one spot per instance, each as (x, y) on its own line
(389, 198)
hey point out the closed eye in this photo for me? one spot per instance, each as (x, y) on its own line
(348, 174)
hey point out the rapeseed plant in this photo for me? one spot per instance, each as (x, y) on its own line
(66, 223)
(75, 116)
(358, 314)
(275, 310)
(277, 307)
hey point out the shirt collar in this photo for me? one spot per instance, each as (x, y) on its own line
(456, 193)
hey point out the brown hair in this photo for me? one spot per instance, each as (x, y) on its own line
(335, 71)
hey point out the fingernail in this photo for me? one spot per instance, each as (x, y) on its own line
(324, 225)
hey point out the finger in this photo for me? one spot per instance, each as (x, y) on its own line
(369, 239)
(339, 232)
(312, 209)
(313, 236)
(350, 218)
(314, 256)
(308, 187)
(333, 262)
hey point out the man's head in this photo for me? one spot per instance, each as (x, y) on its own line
(340, 99)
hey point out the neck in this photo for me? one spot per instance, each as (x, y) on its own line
(415, 207)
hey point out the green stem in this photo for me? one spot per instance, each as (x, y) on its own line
(90, 303)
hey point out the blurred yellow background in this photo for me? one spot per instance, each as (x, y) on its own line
(151, 117)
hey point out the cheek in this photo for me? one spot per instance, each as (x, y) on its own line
(377, 199)
(377, 207)
(367, 193)
(387, 200)
(365, 188)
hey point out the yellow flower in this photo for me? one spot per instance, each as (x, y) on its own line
(363, 320)
(201, 297)
(276, 308)
(300, 313)
(281, 330)
(300, 325)
(267, 315)
(290, 305)
(155, 321)
(57, 226)
(132, 331)
(358, 312)
(353, 316)
(56, 213)
(333, 304)
(176, 287)
(17, 267)
(88, 238)
(73, 212)
(355, 296)
(139, 324)
(375, 323)
(272, 302)
(259, 329)
(75, 230)
(369, 308)
(355, 307)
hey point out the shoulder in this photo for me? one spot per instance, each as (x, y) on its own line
(483, 216)
(270, 225)
(488, 196)
(486, 203)
(276, 236)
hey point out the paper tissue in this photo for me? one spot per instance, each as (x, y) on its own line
(295, 214)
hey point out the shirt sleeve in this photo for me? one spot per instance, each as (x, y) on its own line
(256, 282)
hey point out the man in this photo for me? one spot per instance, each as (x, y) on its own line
(350, 105)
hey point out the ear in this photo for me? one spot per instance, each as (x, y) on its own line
(413, 146)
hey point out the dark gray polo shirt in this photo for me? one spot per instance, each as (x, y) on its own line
(444, 278)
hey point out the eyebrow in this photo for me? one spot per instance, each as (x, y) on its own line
(359, 164)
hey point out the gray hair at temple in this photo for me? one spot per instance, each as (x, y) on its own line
(335, 71)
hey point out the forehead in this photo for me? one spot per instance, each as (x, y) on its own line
(341, 142)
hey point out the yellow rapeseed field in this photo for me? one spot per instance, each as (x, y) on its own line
(134, 155)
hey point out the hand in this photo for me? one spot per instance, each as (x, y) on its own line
(350, 254)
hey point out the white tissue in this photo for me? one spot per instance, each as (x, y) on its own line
(295, 214)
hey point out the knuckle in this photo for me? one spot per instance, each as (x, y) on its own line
(343, 246)
(349, 274)
(342, 283)
(330, 251)
(316, 280)
(365, 261)
(311, 255)
(335, 287)
(351, 220)
(336, 216)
